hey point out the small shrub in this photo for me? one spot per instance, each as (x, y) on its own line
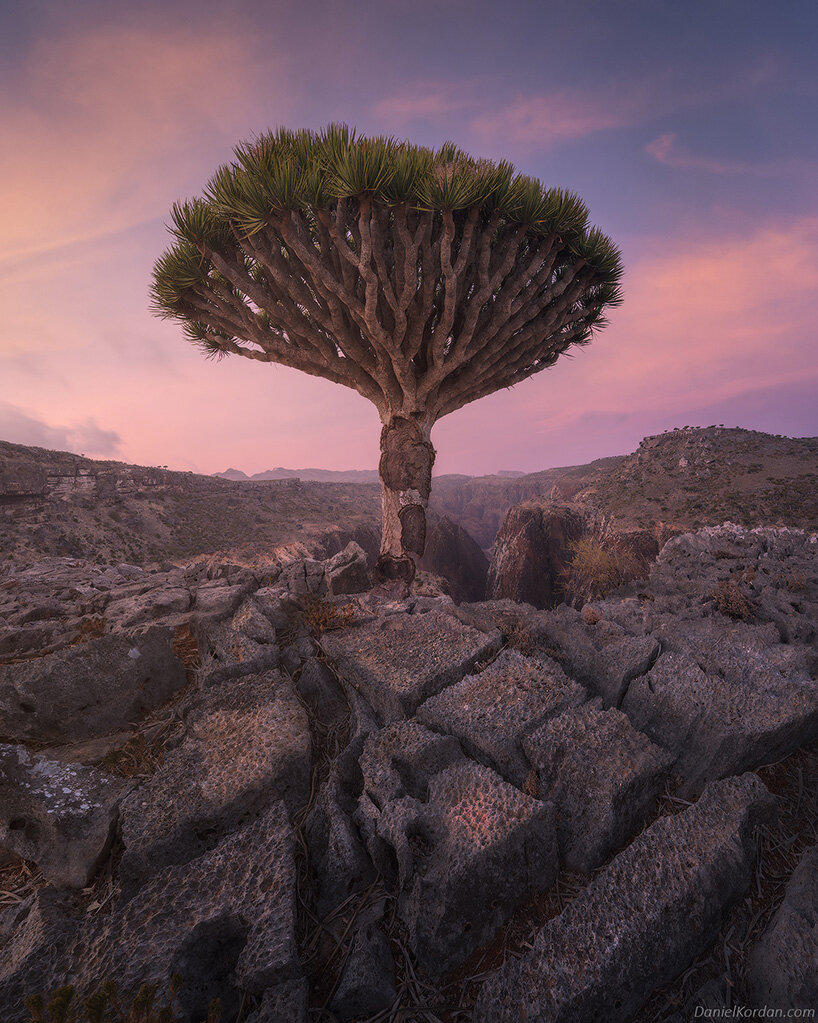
(518, 636)
(730, 601)
(793, 581)
(599, 565)
(590, 615)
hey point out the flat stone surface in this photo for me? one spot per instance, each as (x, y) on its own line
(493, 711)
(783, 966)
(466, 846)
(60, 816)
(602, 776)
(717, 724)
(248, 743)
(400, 660)
(641, 921)
(91, 689)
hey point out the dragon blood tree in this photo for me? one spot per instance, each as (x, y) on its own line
(422, 279)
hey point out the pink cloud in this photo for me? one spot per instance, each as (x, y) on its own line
(666, 149)
(554, 118)
(425, 102)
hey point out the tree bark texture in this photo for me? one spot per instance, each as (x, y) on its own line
(407, 457)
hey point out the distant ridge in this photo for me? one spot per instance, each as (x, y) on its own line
(311, 475)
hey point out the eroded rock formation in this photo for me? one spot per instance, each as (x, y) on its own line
(428, 782)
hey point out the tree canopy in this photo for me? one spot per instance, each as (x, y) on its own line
(423, 279)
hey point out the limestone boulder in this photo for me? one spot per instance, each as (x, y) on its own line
(224, 921)
(287, 1001)
(37, 937)
(339, 861)
(465, 846)
(321, 691)
(782, 965)
(367, 983)
(602, 655)
(60, 816)
(718, 724)
(216, 599)
(244, 645)
(160, 603)
(602, 776)
(347, 571)
(95, 688)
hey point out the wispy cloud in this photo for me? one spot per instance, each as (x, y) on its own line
(22, 427)
(540, 119)
(428, 101)
(667, 150)
(557, 117)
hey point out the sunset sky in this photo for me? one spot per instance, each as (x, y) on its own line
(688, 128)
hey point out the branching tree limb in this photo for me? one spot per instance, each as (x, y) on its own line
(422, 279)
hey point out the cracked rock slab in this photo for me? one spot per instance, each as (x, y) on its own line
(641, 921)
(92, 689)
(604, 657)
(466, 846)
(400, 660)
(225, 922)
(602, 776)
(247, 744)
(720, 722)
(60, 816)
(492, 712)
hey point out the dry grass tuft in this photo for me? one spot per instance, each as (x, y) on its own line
(324, 616)
(730, 601)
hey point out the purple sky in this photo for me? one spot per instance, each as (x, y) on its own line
(689, 129)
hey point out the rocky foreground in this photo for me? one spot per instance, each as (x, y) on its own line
(317, 801)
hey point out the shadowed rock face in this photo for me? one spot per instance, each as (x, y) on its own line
(454, 555)
(89, 689)
(532, 553)
(782, 964)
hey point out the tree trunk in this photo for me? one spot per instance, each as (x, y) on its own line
(405, 468)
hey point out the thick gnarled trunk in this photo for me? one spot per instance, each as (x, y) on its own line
(407, 457)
